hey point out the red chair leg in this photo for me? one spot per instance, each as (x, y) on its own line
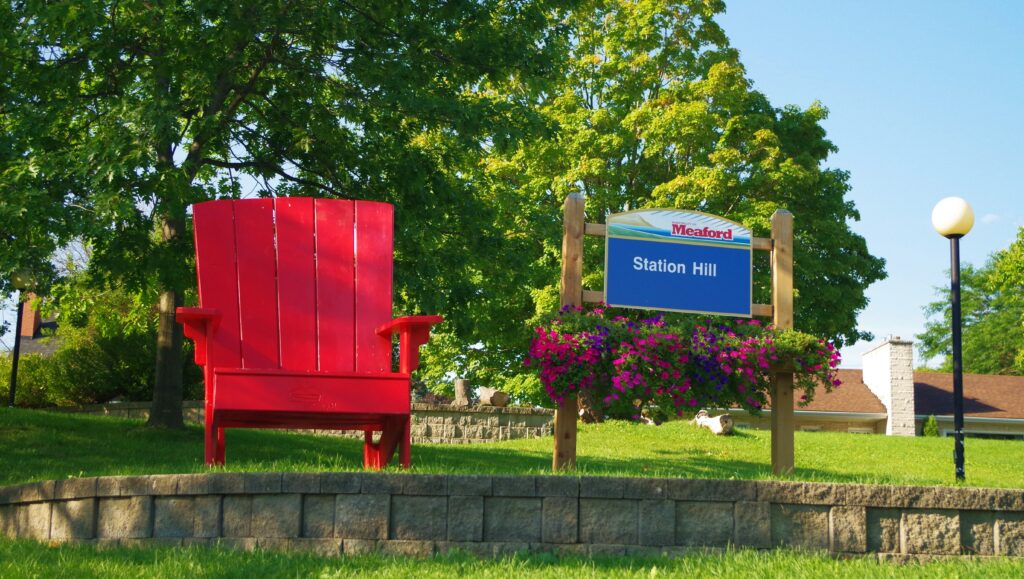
(371, 452)
(220, 446)
(405, 450)
(210, 441)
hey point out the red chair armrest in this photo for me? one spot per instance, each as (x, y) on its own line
(198, 324)
(413, 332)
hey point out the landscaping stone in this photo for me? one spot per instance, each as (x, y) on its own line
(849, 529)
(362, 516)
(977, 533)
(223, 483)
(419, 518)
(376, 483)
(645, 488)
(358, 546)
(74, 519)
(75, 488)
(707, 524)
(276, 515)
(558, 486)
(300, 482)
(561, 519)
(609, 521)
(426, 484)
(803, 526)
(193, 484)
(237, 516)
(32, 521)
(419, 549)
(124, 518)
(512, 519)
(931, 532)
(174, 517)
(753, 524)
(657, 522)
(262, 482)
(711, 490)
(602, 487)
(318, 516)
(322, 547)
(340, 482)
(206, 516)
(514, 486)
(884, 530)
(1010, 530)
(465, 518)
(467, 485)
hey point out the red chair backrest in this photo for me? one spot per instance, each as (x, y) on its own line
(301, 283)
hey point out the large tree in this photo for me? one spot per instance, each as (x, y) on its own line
(992, 305)
(115, 116)
(655, 110)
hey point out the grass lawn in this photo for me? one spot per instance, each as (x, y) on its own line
(30, 559)
(37, 445)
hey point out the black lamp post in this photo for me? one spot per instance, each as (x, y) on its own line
(21, 282)
(953, 218)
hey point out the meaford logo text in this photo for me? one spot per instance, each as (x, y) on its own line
(684, 230)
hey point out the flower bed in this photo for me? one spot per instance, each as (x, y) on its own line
(627, 365)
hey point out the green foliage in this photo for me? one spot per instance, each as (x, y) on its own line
(931, 426)
(655, 110)
(105, 349)
(992, 308)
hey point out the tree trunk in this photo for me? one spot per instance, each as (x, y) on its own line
(166, 411)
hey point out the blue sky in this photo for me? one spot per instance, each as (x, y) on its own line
(926, 101)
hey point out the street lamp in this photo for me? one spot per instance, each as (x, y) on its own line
(20, 281)
(953, 218)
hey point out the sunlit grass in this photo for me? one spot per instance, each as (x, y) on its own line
(36, 445)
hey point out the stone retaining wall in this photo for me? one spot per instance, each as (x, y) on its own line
(345, 513)
(433, 423)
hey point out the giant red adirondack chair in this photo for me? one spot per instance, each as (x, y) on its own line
(294, 325)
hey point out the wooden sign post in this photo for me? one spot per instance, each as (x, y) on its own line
(781, 311)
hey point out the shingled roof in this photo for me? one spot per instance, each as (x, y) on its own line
(852, 396)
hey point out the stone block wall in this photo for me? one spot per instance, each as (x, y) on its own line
(431, 423)
(346, 513)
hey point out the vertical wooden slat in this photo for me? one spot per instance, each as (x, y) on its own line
(218, 281)
(335, 284)
(257, 283)
(296, 282)
(566, 415)
(782, 305)
(373, 268)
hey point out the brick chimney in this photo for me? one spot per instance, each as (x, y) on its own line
(31, 319)
(889, 374)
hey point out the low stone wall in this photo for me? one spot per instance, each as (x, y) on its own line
(346, 513)
(433, 423)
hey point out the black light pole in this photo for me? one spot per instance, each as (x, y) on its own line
(15, 352)
(953, 218)
(958, 376)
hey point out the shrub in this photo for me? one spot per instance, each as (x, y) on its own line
(931, 426)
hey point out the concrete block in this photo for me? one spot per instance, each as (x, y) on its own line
(237, 516)
(318, 516)
(73, 520)
(174, 517)
(300, 482)
(558, 486)
(514, 486)
(561, 519)
(362, 516)
(206, 516)
(75, 488)
(133, 486)
(701, 490)
(262, 482)
(657, 522)
(707, 524)
(340, 483)
(930, 532)
(1010, 534)
(226, 483)
(32, 521)
(470, 485)
(849, 529)
(419, 518)
(512, 519)
(359, 546)
(321, 547)
(645, 488)
(417, 549)
(426, 485)
(276, 515)
(884, 530)
(193, 484)
(801, 526)
(125, 518)
(465, 518)
(977, 533)
(611, 521)
(753, 524)
(381, 483)
(602, 487)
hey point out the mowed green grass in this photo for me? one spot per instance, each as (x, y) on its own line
(36, 445)
(30, 559)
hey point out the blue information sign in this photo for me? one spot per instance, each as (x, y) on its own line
(684, 261)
